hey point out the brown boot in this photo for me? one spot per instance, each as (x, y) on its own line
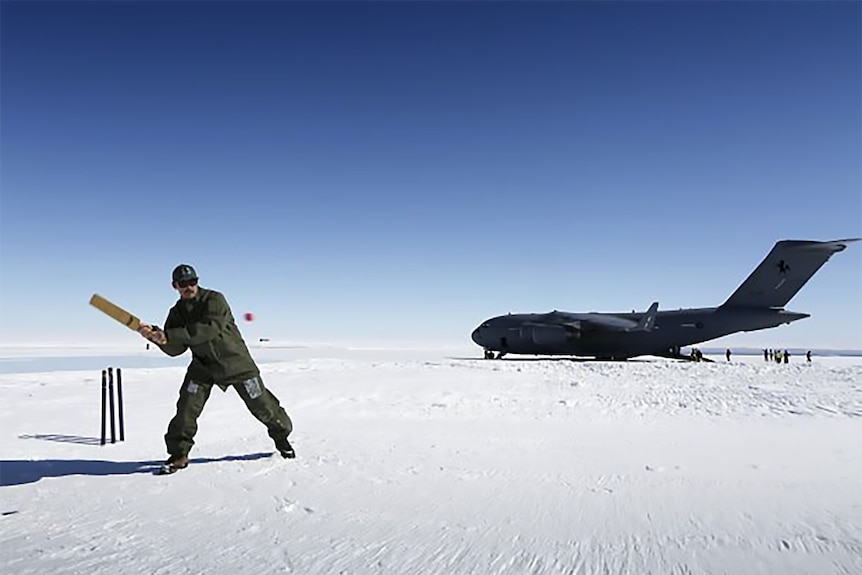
(174, 464)
(285, 449)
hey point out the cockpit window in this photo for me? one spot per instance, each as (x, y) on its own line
(486, 324)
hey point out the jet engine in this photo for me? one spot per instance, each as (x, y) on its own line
(549, 335)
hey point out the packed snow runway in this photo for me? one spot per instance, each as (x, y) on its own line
(431, 461)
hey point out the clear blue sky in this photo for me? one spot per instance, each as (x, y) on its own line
(401, 171)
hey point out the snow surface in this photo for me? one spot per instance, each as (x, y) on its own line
(433, 461)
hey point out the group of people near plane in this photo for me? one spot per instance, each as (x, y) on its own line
(776, 355)
(779, 356)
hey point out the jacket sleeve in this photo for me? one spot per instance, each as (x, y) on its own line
(174, 347)
(211, 324)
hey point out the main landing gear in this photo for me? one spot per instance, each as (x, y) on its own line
(676, 353)
(489, 354)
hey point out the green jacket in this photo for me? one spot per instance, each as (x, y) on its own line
(205, 325)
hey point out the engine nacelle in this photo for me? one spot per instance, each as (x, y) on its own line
(550, 335)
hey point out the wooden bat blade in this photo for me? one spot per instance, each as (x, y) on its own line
(113, 310)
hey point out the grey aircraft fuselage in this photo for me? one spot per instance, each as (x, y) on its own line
(526, 333)
(758, 303)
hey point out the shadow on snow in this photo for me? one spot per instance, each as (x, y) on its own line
(19, 472)
(63, 438)
(570, 358)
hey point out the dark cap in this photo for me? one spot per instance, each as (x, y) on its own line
(184, 272)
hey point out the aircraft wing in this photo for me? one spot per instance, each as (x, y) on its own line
(604, 321)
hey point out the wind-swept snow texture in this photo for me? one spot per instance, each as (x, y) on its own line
(424, 462)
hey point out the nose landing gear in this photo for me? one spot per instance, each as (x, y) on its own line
(504, 346)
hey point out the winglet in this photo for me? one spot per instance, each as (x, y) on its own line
(647, 322)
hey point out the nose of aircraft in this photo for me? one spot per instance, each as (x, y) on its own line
(477, 336)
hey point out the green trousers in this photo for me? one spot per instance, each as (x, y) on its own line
(179, 438)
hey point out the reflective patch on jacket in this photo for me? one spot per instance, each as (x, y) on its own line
(253, 387)
(192, 387)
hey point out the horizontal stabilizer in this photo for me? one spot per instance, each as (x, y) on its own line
(783, 272)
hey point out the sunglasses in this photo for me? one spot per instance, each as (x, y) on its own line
(186, 283)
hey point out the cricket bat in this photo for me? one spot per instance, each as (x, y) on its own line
(113, 310)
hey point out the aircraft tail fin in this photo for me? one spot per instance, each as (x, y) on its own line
(783, 272)
(647, 322)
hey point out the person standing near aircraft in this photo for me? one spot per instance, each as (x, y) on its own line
(727, 354)
(201, 321)
(808, 356)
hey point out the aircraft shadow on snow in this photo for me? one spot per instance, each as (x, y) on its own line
(547, 359)
(22, 471)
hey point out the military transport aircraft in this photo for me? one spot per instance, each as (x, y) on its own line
(758, 303)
